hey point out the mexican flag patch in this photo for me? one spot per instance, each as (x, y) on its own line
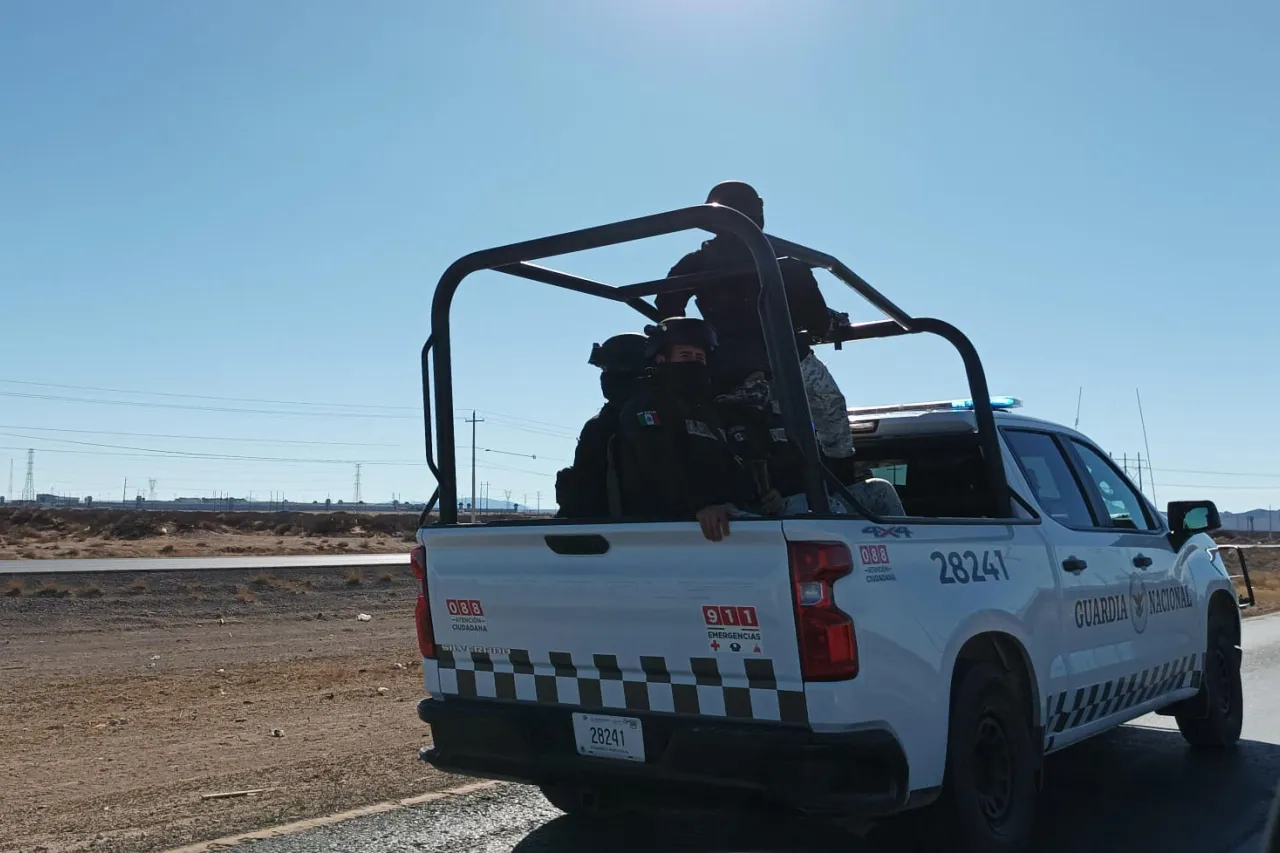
(649, 418)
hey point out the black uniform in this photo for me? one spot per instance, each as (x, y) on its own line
(675, 456)
(731, 305)
(758, 435)
(582, 489)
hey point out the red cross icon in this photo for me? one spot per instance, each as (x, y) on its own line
(715, 645)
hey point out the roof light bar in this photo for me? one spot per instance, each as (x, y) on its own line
(998, 403)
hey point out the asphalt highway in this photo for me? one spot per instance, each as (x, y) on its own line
(1135, 789)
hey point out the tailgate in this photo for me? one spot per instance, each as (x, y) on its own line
(641, 617)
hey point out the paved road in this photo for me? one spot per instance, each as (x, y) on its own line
(1135, 789)
(197, 564)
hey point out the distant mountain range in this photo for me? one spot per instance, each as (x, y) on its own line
(1257, 520)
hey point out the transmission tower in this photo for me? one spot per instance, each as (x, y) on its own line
(151, 488)
(357, 482)
(29, 487)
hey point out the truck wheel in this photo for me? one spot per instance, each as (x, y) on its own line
(989, 792)
(1221, 691)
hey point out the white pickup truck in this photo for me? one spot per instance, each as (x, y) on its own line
(837, 664)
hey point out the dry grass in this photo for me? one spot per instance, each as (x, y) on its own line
(297, 586)
(1264, 572)
(139, 586)
(89, 591)
(262, 580)
(52, 589)
(244, 595)
(354, 577)
(387, 577)
(15, 588)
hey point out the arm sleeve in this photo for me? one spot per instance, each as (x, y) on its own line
(808, 307)
(675, 304)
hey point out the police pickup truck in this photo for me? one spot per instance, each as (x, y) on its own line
(1029, 598)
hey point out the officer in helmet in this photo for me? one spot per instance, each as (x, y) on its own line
(675, 458)
(731, 304)
(581, 489)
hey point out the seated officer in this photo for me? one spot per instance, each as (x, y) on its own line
(675, 457)
(758, 434)
(581, 489)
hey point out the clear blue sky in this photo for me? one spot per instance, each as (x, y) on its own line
(254, 200)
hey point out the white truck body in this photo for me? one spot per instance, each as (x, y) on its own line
(662, 623)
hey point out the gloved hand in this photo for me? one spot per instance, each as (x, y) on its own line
(772, 503)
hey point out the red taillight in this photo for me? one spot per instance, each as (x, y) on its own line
(422, 611)
(828, 648)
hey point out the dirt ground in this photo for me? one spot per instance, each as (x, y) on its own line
(123, 699)
(1264, 570)
(44, 533)
(126, 697)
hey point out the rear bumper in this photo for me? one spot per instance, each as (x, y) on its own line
(863, 773)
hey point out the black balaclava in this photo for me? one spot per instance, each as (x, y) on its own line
(616, 385)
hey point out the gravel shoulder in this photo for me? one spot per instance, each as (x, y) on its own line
(124, 699)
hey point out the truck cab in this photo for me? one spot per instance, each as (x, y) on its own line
(1029, 597)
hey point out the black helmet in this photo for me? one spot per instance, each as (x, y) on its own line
(742, 197)
(625, 352)
(673, 331)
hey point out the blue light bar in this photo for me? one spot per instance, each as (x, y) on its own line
(996, 403)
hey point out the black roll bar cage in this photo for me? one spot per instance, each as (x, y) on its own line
(784, 362)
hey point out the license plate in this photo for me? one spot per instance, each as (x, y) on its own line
(609, 737)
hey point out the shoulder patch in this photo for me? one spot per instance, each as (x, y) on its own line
(778, 434)
(649, 418)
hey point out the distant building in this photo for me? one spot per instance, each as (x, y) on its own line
(56, 500)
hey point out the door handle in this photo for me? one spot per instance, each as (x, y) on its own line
(1142, 561)
(1074, 565)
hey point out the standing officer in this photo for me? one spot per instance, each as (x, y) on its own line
(730, 305)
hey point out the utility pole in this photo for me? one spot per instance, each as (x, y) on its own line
(473, 420)
(1139, 471)
(124, 493)
(507, 492)
(151, 489)
(357, 498)
(539, 503)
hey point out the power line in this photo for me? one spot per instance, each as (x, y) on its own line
(206, 396)
(1217, 473)
(515, 419)
(201, 437)
(190, 408)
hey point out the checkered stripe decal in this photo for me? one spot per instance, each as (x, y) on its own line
(733, 687)
(1067, 710)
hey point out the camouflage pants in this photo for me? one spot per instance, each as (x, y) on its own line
(828, 407)
(877, 496)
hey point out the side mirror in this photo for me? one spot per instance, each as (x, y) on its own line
(1187, 518)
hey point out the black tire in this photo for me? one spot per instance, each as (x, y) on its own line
(1222, 694)
(988, 802)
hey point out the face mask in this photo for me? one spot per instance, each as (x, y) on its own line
(616, 386)
(689, 378)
